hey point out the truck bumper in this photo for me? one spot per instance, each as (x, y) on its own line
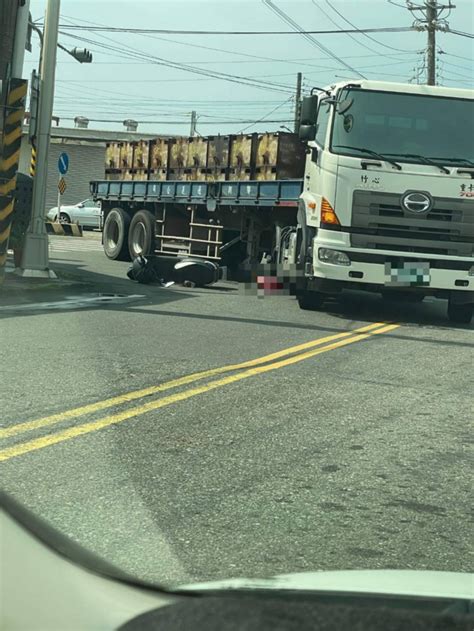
(367, 270)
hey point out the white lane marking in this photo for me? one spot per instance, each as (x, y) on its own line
(74, 244)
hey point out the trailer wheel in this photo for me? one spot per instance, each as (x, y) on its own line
(141, 236)
(460, 313)
(310, 300)
(115, 235)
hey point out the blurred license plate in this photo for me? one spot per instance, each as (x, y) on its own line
(407, 274)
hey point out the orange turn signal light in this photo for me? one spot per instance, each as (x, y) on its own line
(327, 213)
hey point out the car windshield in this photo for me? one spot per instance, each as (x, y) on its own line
(227, 351)
(411, 126)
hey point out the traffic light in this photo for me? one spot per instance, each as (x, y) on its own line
(82, 55)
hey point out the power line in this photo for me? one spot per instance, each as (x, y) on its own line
(167, 122)
(322, 69)
(443, 52)
(448, 63)
(461, 33)
(363, 32)
(257, 60)
(264, 118)
(462, 76)
(130, 52)
(286, 18)
(319, 7)
(123, 29)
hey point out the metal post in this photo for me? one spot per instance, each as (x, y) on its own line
(299, 80)
(431, 17)
(35, 257)
(59, 202)
(192, 131)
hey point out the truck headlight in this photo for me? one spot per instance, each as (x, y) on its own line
(335, 257)
(471, 271)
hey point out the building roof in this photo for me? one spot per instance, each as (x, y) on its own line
(96, 135)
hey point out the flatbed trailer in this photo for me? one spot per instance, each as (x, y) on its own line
(227, 222)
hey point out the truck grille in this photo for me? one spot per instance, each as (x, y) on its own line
(380, 223)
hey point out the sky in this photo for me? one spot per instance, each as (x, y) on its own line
(129, 78)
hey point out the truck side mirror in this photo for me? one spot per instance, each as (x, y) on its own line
(307, 132)
(309, 110)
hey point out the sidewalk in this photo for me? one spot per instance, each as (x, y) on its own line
(16, 290)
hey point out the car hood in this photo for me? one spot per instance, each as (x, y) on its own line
(419, 583)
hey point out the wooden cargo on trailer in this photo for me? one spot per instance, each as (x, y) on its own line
(141, 154)
(178, 152)
(279, 156)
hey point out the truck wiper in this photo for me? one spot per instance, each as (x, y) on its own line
(423, 159)
(465, 161)
(379, 156)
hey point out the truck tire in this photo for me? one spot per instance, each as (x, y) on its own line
(460, 313)
(115, 235)
(310, 300)
(141, 236)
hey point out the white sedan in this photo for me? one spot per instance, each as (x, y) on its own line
(86, 214)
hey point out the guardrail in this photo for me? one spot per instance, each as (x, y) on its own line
(64, 229)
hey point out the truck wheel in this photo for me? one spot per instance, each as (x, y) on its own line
(310, 300)
(141, 236)
(115, 235)
(460, 313)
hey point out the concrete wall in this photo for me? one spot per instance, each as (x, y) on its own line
(86, 151)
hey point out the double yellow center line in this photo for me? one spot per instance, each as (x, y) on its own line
(251, 368)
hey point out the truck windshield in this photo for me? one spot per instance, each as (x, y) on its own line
(410, 125)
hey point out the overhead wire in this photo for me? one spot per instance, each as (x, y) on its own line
(364, 33)
(147, 80)
(262, 60)
(264, 118)
(168, 122)
(141, 31)
(200, 71)
(130, 51)
(443, 52)
(286, 18)
(461, 33)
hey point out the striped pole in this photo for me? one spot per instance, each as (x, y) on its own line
(13, 118)
(33, 160)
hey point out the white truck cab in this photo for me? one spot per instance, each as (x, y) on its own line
(388, 199)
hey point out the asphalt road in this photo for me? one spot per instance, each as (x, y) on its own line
(349, 451)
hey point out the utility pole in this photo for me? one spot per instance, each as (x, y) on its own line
(14, 18)
(431, 19)
(21, 36)
(192, 131)
(429, 16)
(299, 82)
(35, 260)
